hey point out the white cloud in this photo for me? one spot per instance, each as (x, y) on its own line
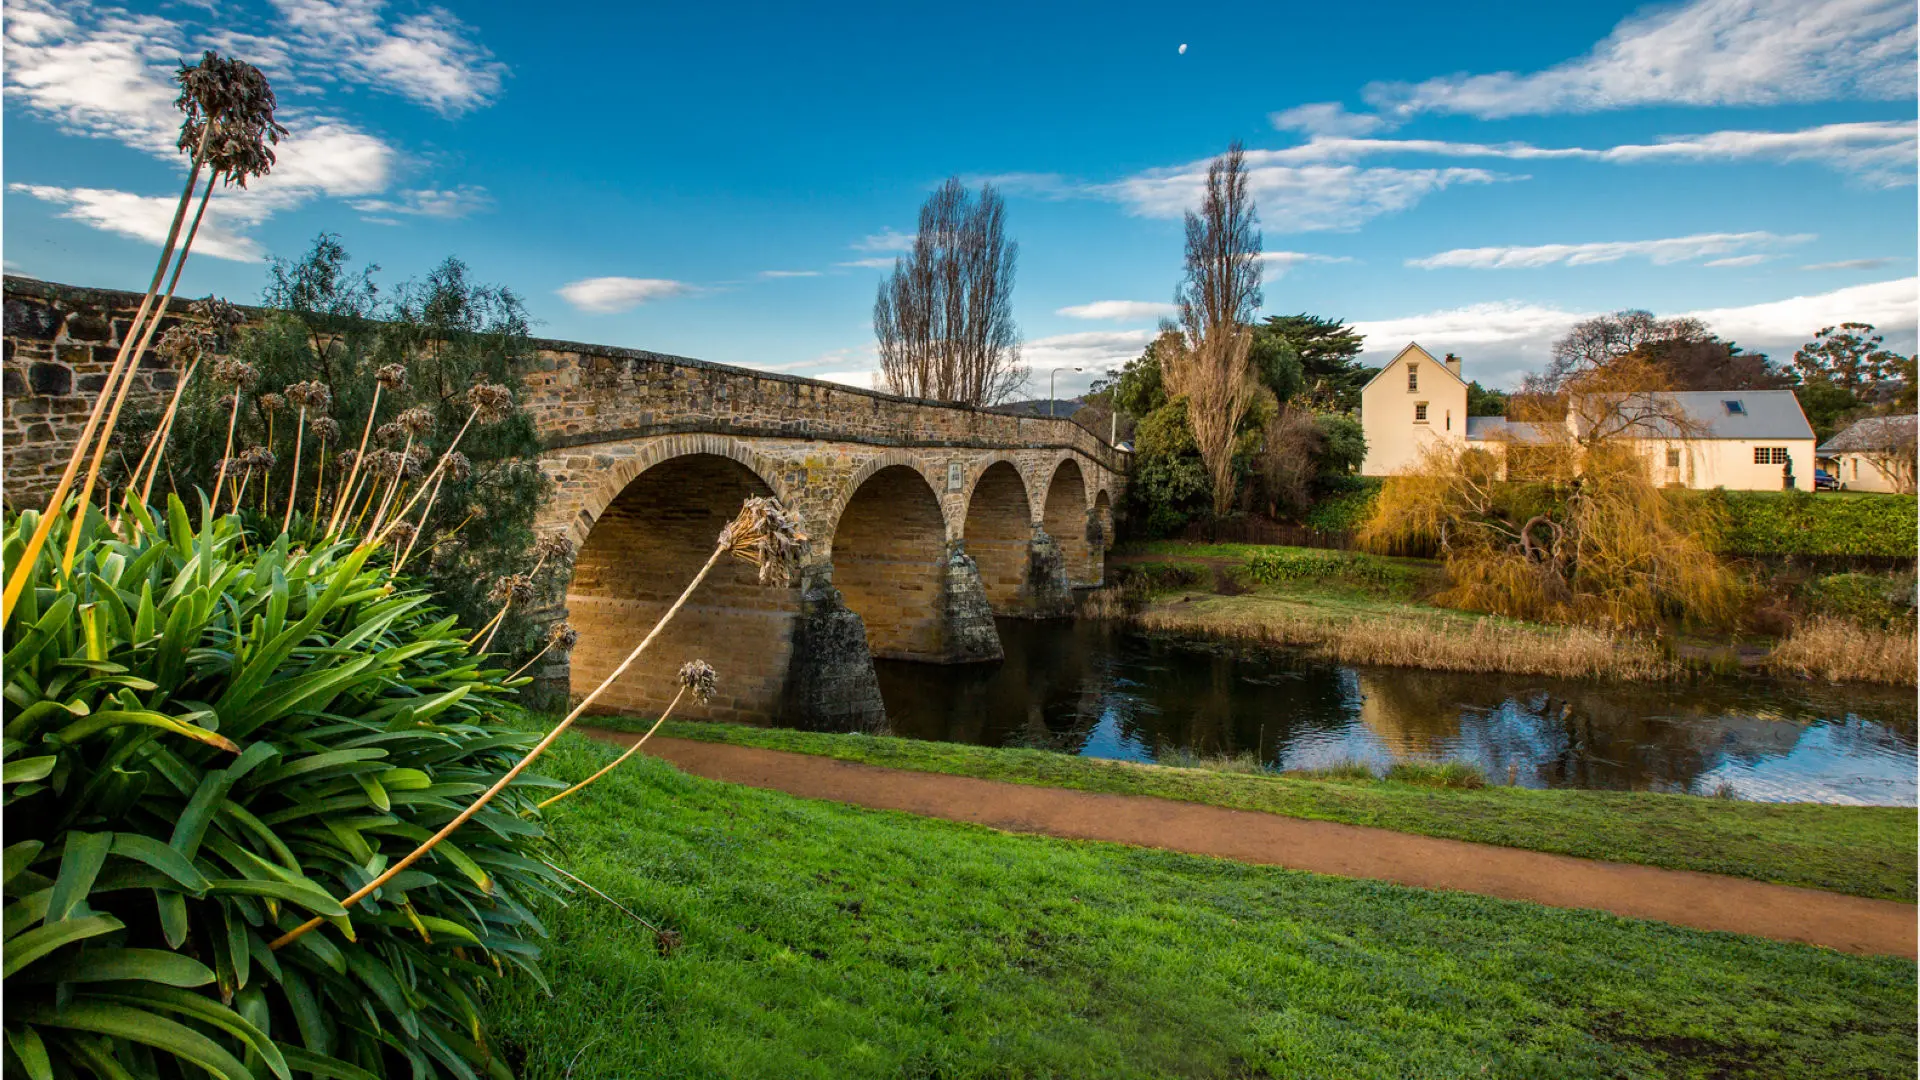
(1879, 151)
(789, 273)
(1707, 52)
(606, 295)
(428, 202)
(1739, 260)
(878, 262)
(1326, 118)
(1660, 252)
(430, 57)
(1293, 198)
(222, 232)
(884, 240)
(1119, 310)
(1503, 341)
(1094, 350)
(1850, 264)
(99, 72)
(1279, 262)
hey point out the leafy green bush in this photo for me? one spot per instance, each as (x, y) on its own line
(1867, 599)
(1802, 523)
(208, 742)
(1346, 509)
(1278, 567)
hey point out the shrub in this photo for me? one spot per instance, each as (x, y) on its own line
(1441, 774)
(1277, 567)
(1344, 510)
(1876, 600)
(1801, 523)
(206, 743)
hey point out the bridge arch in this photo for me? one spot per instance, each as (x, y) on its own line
(889, 549)
(624, 470)
(639, 551)
(892, 459)
(1065, 517)
(1103, 516)
(998, 530)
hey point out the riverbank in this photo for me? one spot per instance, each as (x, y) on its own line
(1861, 851)
(805, 938)
(1364, 609)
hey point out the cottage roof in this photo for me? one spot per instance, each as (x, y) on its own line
(1874, 433)
(1731, 414)
(1501, 429)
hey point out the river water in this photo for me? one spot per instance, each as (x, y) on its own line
(1094, 689)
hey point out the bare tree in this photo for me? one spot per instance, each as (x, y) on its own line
(944, 319)
(1602, 339)
(1217, 301)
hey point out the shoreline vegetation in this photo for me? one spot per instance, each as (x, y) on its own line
(1363, 609)
(1861, 850)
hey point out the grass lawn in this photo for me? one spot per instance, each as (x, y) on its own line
(1864, 850)
(819, 940)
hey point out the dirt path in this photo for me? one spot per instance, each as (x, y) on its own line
(1702, 901)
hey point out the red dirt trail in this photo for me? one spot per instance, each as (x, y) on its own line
(1683, 897)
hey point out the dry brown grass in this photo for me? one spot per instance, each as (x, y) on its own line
(1442, 644)
(1841, 651)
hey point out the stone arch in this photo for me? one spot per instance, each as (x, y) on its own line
(998, 531)
(890, 560)
(890, 460)
(625, 469)
(1065, 517)
(1103, 516)
(640, 551)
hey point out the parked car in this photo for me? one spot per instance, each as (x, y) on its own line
(1825, 481)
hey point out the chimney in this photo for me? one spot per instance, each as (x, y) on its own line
(1453, 365)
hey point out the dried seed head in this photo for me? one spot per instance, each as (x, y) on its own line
(226, 402)
(417, 420)
(554, 547)
(312, 395)
(391, 377)
(271, 402)
(563, 636)
(347, 457)
(417, 460)
(256, 457)
(478, 511)
(390, 432)
(698, 677)
(384, 463)
(181, 345)
(324, 428)
(458, 468)
(517, 588)
(219, 315)
(767, 535)
(234, 100)
(490, 400)
(235, 373)
(400, 534)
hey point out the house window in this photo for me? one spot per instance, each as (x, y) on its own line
(1769, 455)
(1420, 412)
(1735, 408)
(1673, 459)
(1413, 379)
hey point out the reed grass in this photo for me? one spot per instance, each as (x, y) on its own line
(1439, 643)
(1842, 651)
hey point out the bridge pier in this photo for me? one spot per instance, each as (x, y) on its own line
(831, 685)
(1049, 592)
(969, 633)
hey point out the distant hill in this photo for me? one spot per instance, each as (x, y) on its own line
(1062, 407)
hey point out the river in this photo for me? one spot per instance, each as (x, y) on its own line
(1097, 690)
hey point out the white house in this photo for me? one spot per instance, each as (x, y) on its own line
(1750, 440)
(1860, 455)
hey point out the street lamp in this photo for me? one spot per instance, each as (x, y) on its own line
(1050, 375)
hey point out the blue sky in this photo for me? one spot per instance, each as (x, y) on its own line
(729, 181)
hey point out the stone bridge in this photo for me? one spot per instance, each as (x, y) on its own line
(925, 520)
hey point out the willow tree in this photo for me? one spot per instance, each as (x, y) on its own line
(1208, 365)
(944, 318)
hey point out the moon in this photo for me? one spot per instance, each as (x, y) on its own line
(1183, 48)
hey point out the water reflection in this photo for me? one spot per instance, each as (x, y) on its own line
(1091, 689)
